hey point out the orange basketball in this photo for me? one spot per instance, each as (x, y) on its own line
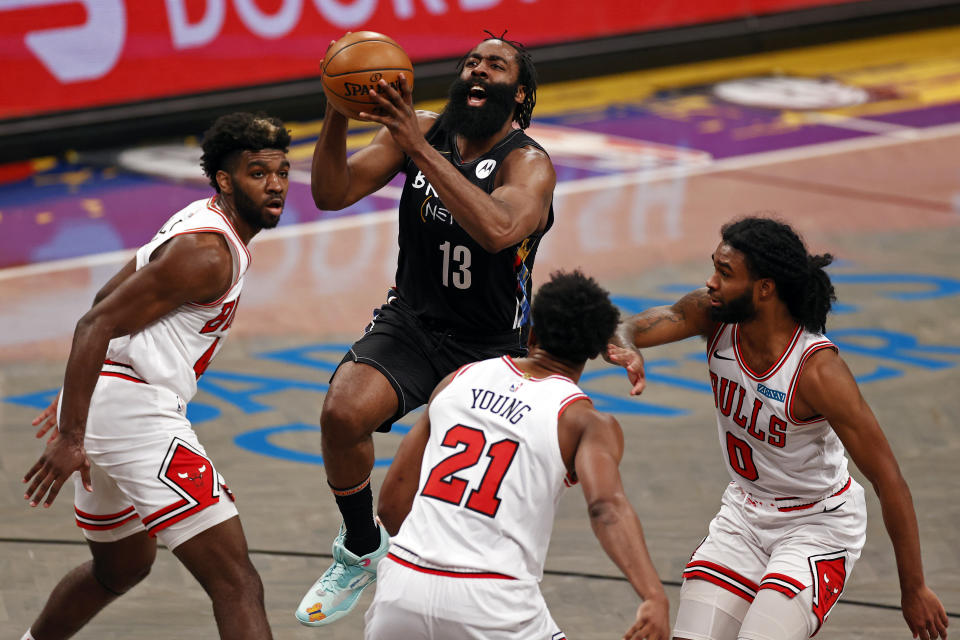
(355, 63)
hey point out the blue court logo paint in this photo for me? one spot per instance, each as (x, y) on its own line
(881, 354)
(264, 442)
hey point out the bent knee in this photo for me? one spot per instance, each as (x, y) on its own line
(359, 400)
(118, 579)
(342, 422)
(239, 581)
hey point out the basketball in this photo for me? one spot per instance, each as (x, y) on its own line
(355, 63)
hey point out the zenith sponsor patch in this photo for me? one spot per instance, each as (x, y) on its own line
(773, 394)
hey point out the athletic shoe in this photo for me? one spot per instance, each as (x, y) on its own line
(337, 591)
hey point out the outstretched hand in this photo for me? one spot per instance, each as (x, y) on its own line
(924, 614)
(47, 420)
(395, 112)
(653, 621)
(632, 361)
(60, 459)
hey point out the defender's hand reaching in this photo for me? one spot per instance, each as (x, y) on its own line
(632, 361)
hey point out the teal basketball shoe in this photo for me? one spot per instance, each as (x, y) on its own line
(337, 591)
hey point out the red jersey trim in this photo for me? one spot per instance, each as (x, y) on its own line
(122, 376)
(800, 507)
(714, 340)
(165, 510)
(760, 377)
(161, 521)
(463, 369)
(448, 574)
(783, 583)
(93, 522)
(109, 516)
(212, 205)
(569, 400)
(791, 391)
(105, 527)
(722, 577)
(233, 280)
(517, 370)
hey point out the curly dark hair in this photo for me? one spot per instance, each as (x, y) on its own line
(573, 316)
(234, 133)
(774, 250)
(527, 76)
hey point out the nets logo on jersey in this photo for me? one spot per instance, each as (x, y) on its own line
(773, 394)
(432, 208)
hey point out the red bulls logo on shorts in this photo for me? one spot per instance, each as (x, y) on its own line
(197, 480)
(194, 481)
(194, 474)
(829, 576)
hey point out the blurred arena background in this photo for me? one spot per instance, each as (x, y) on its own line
(664, 120)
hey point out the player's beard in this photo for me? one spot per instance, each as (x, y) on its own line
(477, 123)
(736, 311)
(252, 213)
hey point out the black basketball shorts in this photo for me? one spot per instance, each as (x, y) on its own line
(414, 359)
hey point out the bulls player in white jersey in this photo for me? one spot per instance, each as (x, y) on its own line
(142, 475)
(792, 522)
(476, 482)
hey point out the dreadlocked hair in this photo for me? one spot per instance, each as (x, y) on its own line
(232, 134)
(573, 317)
(774, 250)
(527, 77)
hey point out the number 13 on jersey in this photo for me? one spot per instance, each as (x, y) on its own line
(443, 485)
(456, 265)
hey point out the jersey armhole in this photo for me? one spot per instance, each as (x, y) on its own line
(462, 369)
(569, 400)
(714, 339)
(234, 261)
(792, 389)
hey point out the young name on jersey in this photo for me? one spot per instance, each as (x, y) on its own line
(513, 409)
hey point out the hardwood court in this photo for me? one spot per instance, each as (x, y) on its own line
(650, 166)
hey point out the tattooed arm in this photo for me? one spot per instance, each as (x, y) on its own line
(689, 316)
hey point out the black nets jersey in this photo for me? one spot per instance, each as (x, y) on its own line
(443, 274)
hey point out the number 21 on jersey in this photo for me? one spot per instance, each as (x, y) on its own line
(443, 485)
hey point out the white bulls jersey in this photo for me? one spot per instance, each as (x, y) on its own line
(175, 350)
(491, 475)
(769, 451)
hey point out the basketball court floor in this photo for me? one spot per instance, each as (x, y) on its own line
(855, 144)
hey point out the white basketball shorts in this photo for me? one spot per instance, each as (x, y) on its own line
(414, 603)
(149, 471)
(756, 544)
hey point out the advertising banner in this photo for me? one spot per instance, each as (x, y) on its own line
(73, 54)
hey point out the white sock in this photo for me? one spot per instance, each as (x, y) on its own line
(27, 636)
